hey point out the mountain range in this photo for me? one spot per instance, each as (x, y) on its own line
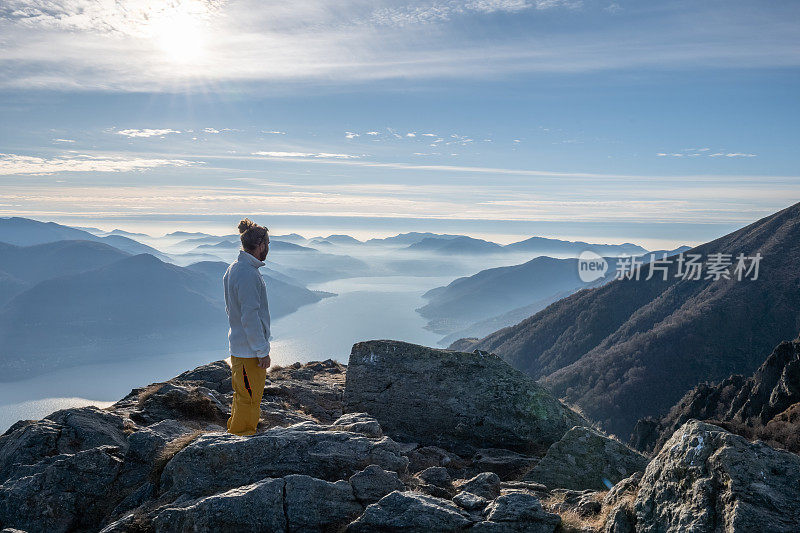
(605, 349)
(66, 303)
(28, 232)
(498, 297)
(460, 244)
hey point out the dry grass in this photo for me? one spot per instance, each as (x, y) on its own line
(148, 391)
(572, 522)
(169, 451)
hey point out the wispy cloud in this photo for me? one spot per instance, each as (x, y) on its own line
(318, 155)
(15, 164)
(149, 132)
(441, 11)
(148, 45)
(703, 152)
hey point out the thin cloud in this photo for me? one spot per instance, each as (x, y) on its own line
(146, 132)
(120, 46)
(15, 164)
(699, 152)
(321, 155)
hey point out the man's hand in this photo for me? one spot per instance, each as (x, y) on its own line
(263, 362)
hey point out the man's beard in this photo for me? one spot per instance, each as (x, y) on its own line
(262, 255)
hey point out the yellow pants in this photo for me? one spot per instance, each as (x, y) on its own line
(248, 386)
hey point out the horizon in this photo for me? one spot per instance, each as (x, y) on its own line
(157, 231)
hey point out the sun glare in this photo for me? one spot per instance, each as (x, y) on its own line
(180, 34)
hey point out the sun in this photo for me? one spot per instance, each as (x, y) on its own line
(180, 34)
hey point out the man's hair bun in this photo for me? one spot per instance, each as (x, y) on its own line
(246, 224)
(251, 234)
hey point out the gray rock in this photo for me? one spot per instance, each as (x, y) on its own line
(314, 389)
(583, 503)
(175, 400)
(216, 376)
(707, 479)
(518, 511)
(619, 520)
(65, 492)
(436, 475)
(470, 401)
(64, 431)
(424, 457)
(145, 444)
(485, 485)
(315, 505)
(523, 485)
(583, 458)
(410, 512)
(254, 507)
(470, 502)
(358, 423)
(626, 487)
(215, 461)
(434, 481)
(373, 483)
(507, 464)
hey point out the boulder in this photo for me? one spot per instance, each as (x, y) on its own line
(626, 488)
(65, 431)
(253, 507)
(583, 503)
(215, 376)
(505, 463)
(314, 389)
(65, 492)
(175, 400)
(485, 485)
(145, 444)
(436, 475)
(434, 481)
(315, 505)
(219, 461)
(707, 479)
(586, 459)
(470, 502)
(459, 401)
(424, 457)
(358, 423)
(517, 511)
(619, 520)
(373, 483)
(410, 512)
(144, 447)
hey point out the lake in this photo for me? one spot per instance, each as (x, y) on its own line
(365, 308)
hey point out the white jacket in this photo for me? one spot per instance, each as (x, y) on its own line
(247, 307)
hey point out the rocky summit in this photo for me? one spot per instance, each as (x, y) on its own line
(332, 454)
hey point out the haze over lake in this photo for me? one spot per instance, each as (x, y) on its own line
(365, 308)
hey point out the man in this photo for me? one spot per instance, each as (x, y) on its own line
(248, 337)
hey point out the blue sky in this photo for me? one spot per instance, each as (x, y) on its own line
(658, 122)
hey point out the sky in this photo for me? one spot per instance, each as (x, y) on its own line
(660, 123)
